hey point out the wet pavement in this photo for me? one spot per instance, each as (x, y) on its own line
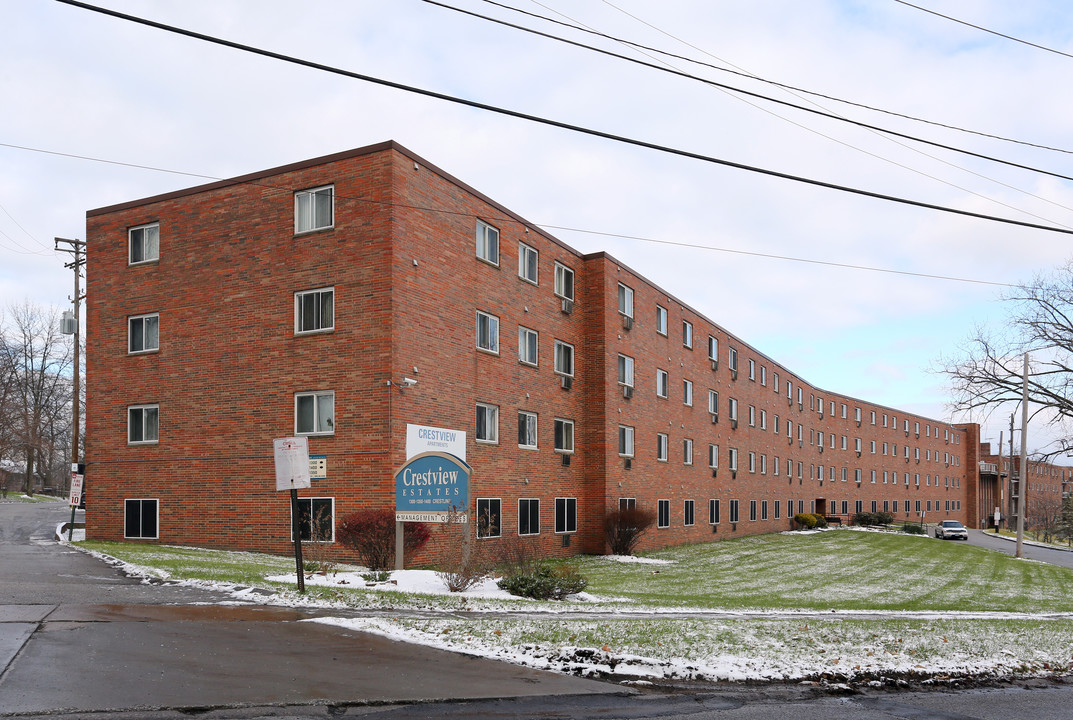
(78, 637)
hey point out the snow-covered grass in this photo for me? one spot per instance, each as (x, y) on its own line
(839, 605)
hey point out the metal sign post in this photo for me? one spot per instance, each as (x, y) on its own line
(75, 498)
(292, 472)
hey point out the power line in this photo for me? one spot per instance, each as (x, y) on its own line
(462, 213)
(558, 124)
(774, 83)
(983, 29)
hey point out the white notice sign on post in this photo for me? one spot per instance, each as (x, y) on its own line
(292, 463)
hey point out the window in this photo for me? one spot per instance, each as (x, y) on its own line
(527, 430)
(763, 510)
(713, 349)
(144, 243)
(625, 300)
(627, 503)
(661, 446)
(143, 333)
(140, 518)
(844, 410)
(732, 458)
(763, 375)
(687, 334)
(732, 408)
(713, 456)
(713, 402)
(625, 441)
(527, 263)
(687, 451)
(487, 332)
(487, 243)
(314, 413)
(314, 310)
(527, 346)
(732, 359)
(777, 507)
(564, 358)
(564, 435)
(625, 370)
(565, 515)
(663, 513)
(661, 320)
(489, 514)
(752, 416)
(713, 512)
(687, 392)
(763, 419)
(688, 509)
(564, 282)
(143, 422)
(313, 209)
(775, 382)
(529, 516)
(487, 423)
(733, 511)
(316, 519)
(752, 461)
(752, 510)
(752, 369)
(662, 380)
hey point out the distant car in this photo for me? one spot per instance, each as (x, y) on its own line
(951, 530)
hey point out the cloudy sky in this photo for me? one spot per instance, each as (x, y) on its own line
(100, 110)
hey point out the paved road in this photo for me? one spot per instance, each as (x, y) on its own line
(79, 640)
(1062, 558)
(77, 636)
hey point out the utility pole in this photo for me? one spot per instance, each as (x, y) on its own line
(1022, 475)
(71, 325)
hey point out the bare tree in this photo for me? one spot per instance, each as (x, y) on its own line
(987, 374)
(35, 362)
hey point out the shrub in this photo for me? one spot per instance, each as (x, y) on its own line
(873, 519)
(913, 528)
(805, 520)
(465, 564)
(623, 528)
(371, 535)
(545, 582)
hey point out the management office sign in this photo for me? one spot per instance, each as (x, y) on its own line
(430, 486)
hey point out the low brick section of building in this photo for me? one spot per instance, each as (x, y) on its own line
(307, 299)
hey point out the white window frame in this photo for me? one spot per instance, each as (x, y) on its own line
(491, 422)
(140, 415)
(564, 436)
(687, 451)
(318, 311)
(713, 402)
(687, 334)
(713, 348)
(625, 441)
(661, 320)
(145, 321)
(528, 263)
(489, 331)
(528, 346)
(532, 515)
(147, 238)
(565, 515)
(713, 456)
(494, 527)
(564, 358)
(307, 201)
(562, 272)
(487, 243)
(625, 300)
(141, 504)
(662, 383)
(308, 501)
(625, 370)
(319, 396)
(661, 447)
(528, 437)
(687, 392)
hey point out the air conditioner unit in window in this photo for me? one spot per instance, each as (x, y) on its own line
(566, 459)
(858, 455)
(858, 423)
(566, 381)
(627, 322)
(715, 418)
(566, 541)
(733, 374)
(821, 449)
(568, 306)
(627, 391)
(628, 463)
(734, 423)
(733, 474)
(791, 440)
(715, 472)
(715, 364)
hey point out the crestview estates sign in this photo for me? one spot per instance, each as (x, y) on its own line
(435, 479)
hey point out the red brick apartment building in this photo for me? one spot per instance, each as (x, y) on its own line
(1046, 486)
(304, 300)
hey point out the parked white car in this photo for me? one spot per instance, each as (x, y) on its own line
(951, 530)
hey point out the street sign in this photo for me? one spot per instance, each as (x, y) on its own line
(75, 498)
(292, 463)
